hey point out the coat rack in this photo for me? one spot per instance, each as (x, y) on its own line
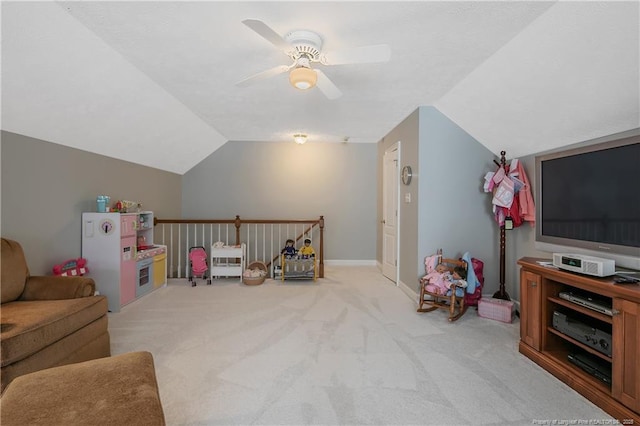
(502, 293)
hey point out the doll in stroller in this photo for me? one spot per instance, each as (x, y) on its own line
(198, 265)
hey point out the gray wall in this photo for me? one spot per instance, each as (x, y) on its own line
(267, 180)
(407, 133)
(46, 187)
(522, 240)
(455, 213)
(449, 210)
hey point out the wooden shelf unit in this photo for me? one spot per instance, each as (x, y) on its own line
(549, 348)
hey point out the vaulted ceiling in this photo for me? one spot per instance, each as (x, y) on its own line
(154, 82)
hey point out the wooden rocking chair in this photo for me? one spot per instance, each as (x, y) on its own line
(431, 299)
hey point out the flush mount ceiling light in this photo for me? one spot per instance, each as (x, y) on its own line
(300, 138)
(303, 78)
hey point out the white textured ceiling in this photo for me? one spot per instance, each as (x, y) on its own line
(154, 82)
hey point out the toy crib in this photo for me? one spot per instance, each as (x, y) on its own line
(297, 267)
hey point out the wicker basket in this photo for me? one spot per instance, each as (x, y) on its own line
(255, 280)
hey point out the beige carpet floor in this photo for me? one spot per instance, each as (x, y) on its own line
(348, 349)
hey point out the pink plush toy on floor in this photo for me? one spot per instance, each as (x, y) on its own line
(71, 268)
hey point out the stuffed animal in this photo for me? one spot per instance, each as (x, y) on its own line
(71, 268)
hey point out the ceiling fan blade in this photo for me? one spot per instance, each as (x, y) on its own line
(358, 55)
(266, 32)
(263, 75)
(326, 86)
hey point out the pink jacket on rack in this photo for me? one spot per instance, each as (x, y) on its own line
(527, 207)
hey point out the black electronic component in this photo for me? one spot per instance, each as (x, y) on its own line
(590, 336)
(596, 367)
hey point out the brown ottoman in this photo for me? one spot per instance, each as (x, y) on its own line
(119, 390)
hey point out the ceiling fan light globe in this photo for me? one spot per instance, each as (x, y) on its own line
(303, 78)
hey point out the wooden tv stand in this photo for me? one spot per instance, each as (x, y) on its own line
(549, 348)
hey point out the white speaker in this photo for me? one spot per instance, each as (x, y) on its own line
(589, 265)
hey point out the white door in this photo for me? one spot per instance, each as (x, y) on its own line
(390, 214)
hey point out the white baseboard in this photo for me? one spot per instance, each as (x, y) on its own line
(409, 291)
(340, 262)
(412, 293)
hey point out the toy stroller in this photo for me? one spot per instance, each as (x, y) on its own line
(198, 264)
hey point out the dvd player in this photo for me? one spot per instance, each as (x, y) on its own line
(592, 302)
(597, 368)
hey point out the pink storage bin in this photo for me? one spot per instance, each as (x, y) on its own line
(496, 309)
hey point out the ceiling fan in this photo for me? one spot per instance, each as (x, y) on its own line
(304, 48)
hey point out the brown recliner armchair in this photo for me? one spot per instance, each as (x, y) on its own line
(47, 321)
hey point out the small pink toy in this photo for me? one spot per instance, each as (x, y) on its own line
(71, 268)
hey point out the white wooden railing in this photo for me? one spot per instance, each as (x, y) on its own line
(263, 238)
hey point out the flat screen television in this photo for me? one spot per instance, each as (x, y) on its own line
(588, 201)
